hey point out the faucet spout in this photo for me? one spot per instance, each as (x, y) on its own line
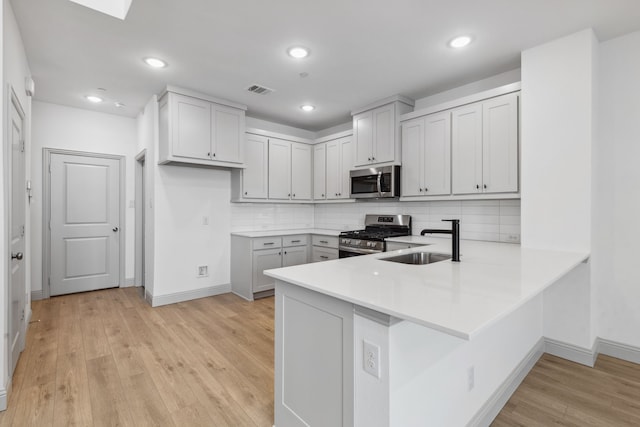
(455, 237)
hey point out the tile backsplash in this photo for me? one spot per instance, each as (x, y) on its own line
(490, 220)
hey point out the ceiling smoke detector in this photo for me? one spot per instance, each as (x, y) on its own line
(260, 90)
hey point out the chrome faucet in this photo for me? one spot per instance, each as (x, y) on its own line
(455, 237)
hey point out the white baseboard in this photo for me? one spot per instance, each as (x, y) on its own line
(493, 406)
(189, 295)
(37, 295)
(571, 352)
(618, 350)
(3, 399)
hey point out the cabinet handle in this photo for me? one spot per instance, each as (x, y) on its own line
(373, 158)
(426, 189)
(285, 252)
(245, 193)
(324, 241)
(368, 158)
(289, 195)
(295, 241)
(209, 154)
(485, 186)
(420, 190)
(477, 187)
(214, 154)
(324, 257)
(279, 253)
(267, 244)
(322, 195)
(294, 194)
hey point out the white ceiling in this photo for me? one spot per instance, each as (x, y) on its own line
(361, 50)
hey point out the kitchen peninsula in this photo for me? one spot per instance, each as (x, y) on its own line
(367, 342)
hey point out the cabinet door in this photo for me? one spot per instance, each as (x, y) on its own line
(265, 260)
(363, 136)
(300, 171)
(466, 147)
(191, 127)
(346, 164)
(412, 157)
(384, 136)
(254, 176)
(294, 255)
(319, 172)
(500, 144)
(227, 132)
(437, 154)
(334, 170)
(279, 169)
(319, 254)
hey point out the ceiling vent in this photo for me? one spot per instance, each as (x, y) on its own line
(260, 90)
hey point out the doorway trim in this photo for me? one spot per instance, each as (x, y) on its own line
(46, 212)
(140, 218)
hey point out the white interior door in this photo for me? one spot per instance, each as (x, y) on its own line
(85, 223)
(17, 293)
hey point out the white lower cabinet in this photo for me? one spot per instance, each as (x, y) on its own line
(251, 256)
(324, 248)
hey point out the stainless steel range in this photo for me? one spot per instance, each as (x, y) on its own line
(371, 239)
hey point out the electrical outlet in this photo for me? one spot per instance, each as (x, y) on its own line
(203, 270)
(371, 358)
(471, 380)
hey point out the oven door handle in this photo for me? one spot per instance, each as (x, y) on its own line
(380, 183)
(358, 250)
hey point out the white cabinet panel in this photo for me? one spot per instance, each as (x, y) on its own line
(279, 169)
(466, 146)
(412, 157)
(500, 144)
(300, 171)
(319, 171)
(191, 125)
(227, 133)
(384, 140)
(319, 254)
(346, 164)
(265, 260)
(339, 164)
(254, 176)
(363, 135)
(437, 154)
(295, 255)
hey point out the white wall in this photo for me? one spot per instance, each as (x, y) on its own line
(559, 92)
(558, 89)
(56, 126)
(492, 82)
(616, 228)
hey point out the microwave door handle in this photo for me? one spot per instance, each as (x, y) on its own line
(379, 184)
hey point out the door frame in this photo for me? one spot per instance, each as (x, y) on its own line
(46, 212)
(140, 204)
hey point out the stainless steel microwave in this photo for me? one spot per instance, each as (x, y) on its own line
(375, 183)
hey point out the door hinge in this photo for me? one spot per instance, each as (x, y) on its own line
(22, 146)
(22, 231)
(22, 316)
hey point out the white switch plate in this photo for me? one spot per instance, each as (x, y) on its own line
(203, 270)
(371, 358)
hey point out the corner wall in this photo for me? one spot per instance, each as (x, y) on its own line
(616, 197)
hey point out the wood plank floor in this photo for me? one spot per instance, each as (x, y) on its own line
(106, 358)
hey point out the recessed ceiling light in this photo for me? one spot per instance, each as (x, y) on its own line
(119, 104)
(460, 42)
(307, 107)
(155, 62)
(298, 52)
(94, 99)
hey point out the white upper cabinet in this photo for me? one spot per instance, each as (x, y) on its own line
(319, 171)
(339, 161)
(254, 176)
(198, 129)
(279, 169)
(485, 146)
(301, 171)
(500, 144)
(426, 156)
(376, 132)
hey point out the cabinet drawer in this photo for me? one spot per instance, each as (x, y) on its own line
(323, 254)
(325, 241)
(267, 243)
(297, 240)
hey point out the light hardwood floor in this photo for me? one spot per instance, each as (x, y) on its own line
(107, 358)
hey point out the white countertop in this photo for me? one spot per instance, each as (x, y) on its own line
(272, 233)
(491, 281)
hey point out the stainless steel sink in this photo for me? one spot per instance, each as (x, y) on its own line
(417, 258)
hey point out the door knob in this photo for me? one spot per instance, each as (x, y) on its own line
(115, 229)
(17, 256)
